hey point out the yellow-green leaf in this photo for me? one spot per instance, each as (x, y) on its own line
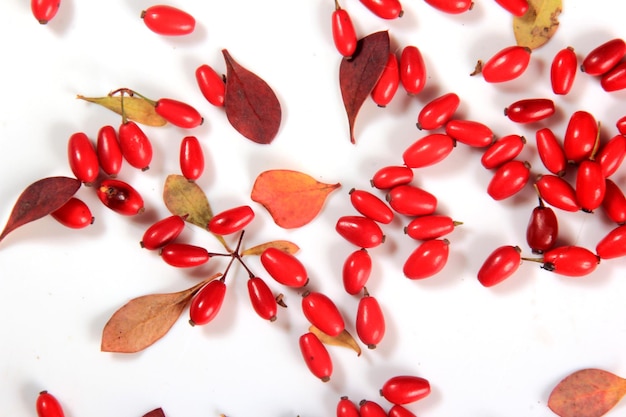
(137, 109)
(539, 23)
(283, 245)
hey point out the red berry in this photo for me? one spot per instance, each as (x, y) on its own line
(604, 57)
(530, 110)
(611, 155)
(207, 302)
(385, 9)
(615, 78)
(509, 179)
(262, 298)
(356, 271)
(120, 197)
(580, 136)
(316, 356)
(346, 408)
(388, 83)
(411, 200)
(162, 232)
(47, 405)
(428, 150)
(412, 70)
(109, 151)
(515, 7)
(371, 206)
(613, 244)
(438, 111)
(83, 158)
(470, 132)
(571, 261)
(590, 185)
(499, 265)
(621, 125)
(557, 192)
(551, 152)
(397, 410)
(370, 321)
(344, 35)
(368, 408)
(563, 71)
(427, 259)
(168, 20)
(432, 226)
(390, 176)
(284, 267)
(231, 220)
(184, 255)
(178, 113)
(191, 158)
(405, 389)
(502, 150)
(360, 231)
(542, 229)
(44, 10)
(135, 145)
(614, 203)
(506, 64)
(322, 313)
(74, 214)
(211, 85)
(451, 6)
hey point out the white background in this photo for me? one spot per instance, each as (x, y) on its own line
(487, 352)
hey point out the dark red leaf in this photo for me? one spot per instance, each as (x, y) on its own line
(157, 412)
(251, 106)
(358, 75)
(40, 199)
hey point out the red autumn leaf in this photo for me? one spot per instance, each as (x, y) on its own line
(587, 393)
(358, 75)
(292, 198)
(40, 199)
(251, 106)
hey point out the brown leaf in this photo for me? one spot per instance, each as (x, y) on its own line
(157, 412)
(251, 106)
(358, 75)
(40, 199)
(539, 23)
(138, 109)
(343, 339)
(587, 393)
(292, 198)
(283, 245)
(146, 319)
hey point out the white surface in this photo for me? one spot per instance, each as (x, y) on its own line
(486, 352)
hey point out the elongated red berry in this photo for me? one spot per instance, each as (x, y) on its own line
(316, 356)
(191, 158)
(438, 111)
(371, 206)
(356, 271)
(344, 34)
(413, 72)
(207, 302)
(551, 151)
(184, 255)
(397, 410)
(47, 405)
(530, 110)
(346, 408)
(284, 267)
(385, 9)
(322, 312)
(557, 192)
(563, 71)
(405, 389)
(614, 79)
(82, 157)
(231, 220)
(120, 197)
(109, 151)
(431, 226)
(506, 64)
(470, 132)
(614, 203)
(428, 259)
(542, 229)
(135, 144)
(604, 57)
(570, 260)
(168, 20)
(75, 214)
(515, 7)
(590, 185)
(370, 321)
(162, 232)
(509, 179)
(501, 263)
(262, 298)
(451, 6)
(44, 10)
(611, 155)
(178, 113)
(428, 150)
(360, 231)
(580, 136)
(389, 176)
(211, 84)
(388, 83)
(502, 150)
(613, 244)
(620, 124)
(411, 200)
(369, 408)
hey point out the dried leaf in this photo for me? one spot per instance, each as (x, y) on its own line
(539, 23)
(343, 339)
(292, 198)
(358, 75)
(251, 106)
(138, 109)
(146, 319)
(283, 245)
(40, 199)
(157, 412)
(587, 393)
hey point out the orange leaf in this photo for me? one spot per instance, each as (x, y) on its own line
(343, 339)
(292, 198)
(587, 393)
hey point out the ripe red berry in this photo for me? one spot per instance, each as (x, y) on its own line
(47, 405)
(397, 410)
(346, 408)
(388, 83)
(614, 79)
(405, 389)
(411, 200)
(590, 185)
(550, 151)
(427, 259)
(211, 85)
(580, 136)
(515, 7)
(207, 302)
(262, 298)
(530, 110)
(83, 158)
(604, 57)
(385, 9)
(162, 232)
(621, 125)
(611, 155)
(184, 255)
(120, 197)
(502, 150)
(322, 313)
(360, 231)
(509, 179)
(168, 20)
(563, 71)
(438, 111)
(470, 132)
(371, 206)
(389, 176)
(74, 214)
(370, 321)
(428, 150)
(356, 271)
(614, 203)
(368, 408)
(44, 10)
(506, 64)
(557, 192)
(451, 6)
(178, 113)
(231, 220)
(136, 146)
(316, 356)
(570, 260)
(412, 70)
(499, 265)
(284, 267)
(432, 226)
(344, 34)
(191, 158)
(542, 229)
(109, 151)
(613, 244)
